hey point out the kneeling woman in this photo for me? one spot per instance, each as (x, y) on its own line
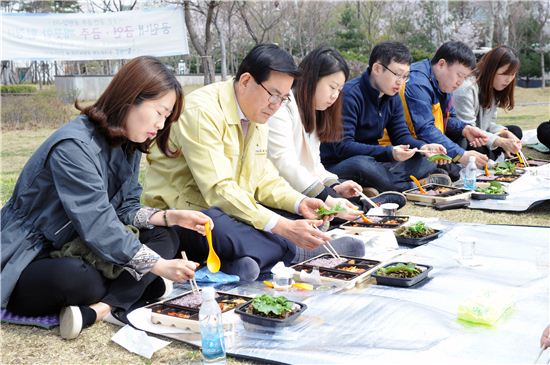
(74, 236)
(492, 86)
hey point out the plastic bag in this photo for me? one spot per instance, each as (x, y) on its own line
(485, 307)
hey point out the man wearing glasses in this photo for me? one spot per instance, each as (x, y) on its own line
(222, 164)
(371, 105)
(427, 102)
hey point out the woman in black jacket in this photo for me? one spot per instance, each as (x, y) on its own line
(74, 235)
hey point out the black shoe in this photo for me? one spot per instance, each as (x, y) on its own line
(158, 289)
(440, 171)
(439, 179)
(120, 315)
(370, 191)
(386, 197)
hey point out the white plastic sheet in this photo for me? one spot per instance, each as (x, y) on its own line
(532, 187)
(379, 324)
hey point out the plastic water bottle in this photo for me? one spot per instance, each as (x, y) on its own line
(212, 337)
(470, 174)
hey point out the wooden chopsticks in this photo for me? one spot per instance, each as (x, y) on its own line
(194, 287)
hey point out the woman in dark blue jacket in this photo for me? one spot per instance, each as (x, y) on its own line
(67, 240)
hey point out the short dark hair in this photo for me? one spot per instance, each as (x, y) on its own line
(143, 78)
(264, 58)
(320, 62)
(388, 52)
(486, 71)
(455, 51)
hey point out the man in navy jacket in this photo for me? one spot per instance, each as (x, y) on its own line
(371, 104)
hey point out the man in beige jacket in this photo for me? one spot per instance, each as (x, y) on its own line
(222, 138)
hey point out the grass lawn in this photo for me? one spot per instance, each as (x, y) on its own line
(22, 345)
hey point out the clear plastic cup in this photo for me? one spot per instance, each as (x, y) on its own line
(282, 281)
(467, 250)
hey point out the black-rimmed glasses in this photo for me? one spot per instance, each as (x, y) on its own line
(275, 99)
(399, 77)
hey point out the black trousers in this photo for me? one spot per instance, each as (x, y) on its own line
(543, 133)
(49, 284)
(233, 239)
(383, 176)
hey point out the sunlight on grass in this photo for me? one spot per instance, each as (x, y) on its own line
(523, 95)
(527, 117)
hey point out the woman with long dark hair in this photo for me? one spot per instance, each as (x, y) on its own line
(314, 115)
(75, 238)
(491, 87)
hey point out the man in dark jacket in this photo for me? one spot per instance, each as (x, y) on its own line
(427, 99)
(371, 104)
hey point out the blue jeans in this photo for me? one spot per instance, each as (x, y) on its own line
(383, 176)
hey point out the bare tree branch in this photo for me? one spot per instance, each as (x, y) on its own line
(242, 12)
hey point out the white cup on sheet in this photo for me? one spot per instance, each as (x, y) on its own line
(389, 209)
(282, 281)
(466, 250)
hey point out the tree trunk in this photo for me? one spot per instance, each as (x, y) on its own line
(223, 50)
(444, 29)
(209, 69)
(205, 52)
(229, 43)
(543, 15)
(300, 36)
(8, 76)
(247, 23)
(490, 25)
(37, 73)
(502, 15)
(543, 80)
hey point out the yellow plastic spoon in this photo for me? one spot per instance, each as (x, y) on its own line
(420, 188)
(213, 262)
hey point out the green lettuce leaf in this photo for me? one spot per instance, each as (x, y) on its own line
(323, 212)
(267, 304)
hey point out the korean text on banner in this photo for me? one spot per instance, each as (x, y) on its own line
(91, 36)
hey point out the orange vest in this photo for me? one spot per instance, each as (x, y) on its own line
(436, 111)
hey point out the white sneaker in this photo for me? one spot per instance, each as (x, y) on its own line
(70, 322)
(169, 287)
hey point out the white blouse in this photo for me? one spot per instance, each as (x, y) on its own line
(295, 153)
